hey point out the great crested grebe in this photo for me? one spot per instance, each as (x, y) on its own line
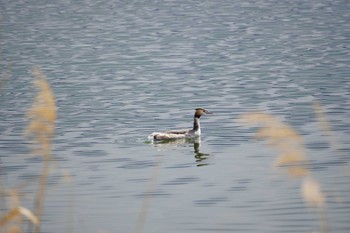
(189, 133)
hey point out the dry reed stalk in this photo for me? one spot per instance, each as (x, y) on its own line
(15, 213)
(284, 139)
(292, 156)
(12, 221)
(148, 198)
(311, 191)
(41, 130)
(326, 126)
(313, 196)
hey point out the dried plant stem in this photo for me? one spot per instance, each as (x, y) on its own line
(326, 127)
(41, 129)
(148, 198)
(40, 198)
(292, 152)
(323, 220)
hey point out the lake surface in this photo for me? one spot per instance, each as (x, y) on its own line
(123, 69)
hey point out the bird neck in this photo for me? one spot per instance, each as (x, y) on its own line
(196, 124)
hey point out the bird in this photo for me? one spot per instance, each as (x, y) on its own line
(187, 133)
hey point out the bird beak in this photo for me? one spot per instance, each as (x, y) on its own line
(207, 112)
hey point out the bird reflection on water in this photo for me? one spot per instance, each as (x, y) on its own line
(198, 155)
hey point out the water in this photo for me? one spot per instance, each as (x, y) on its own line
(123, 69)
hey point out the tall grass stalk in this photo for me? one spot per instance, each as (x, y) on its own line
(148, 197)
(326, 126)
(292, 157)
(41, 129)
(12, 220)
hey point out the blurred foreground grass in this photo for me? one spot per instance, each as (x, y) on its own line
(40, 130)
(292, 157)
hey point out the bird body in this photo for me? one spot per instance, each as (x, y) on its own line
(185, 133)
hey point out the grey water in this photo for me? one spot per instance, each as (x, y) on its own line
(123, 69)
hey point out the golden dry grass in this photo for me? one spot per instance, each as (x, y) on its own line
(12, 220)
(284, 139)
(291, 156)
(141, 219)
(15, 213)
(311, 192)
(326, 126)
(41, 129)
(42, 115)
